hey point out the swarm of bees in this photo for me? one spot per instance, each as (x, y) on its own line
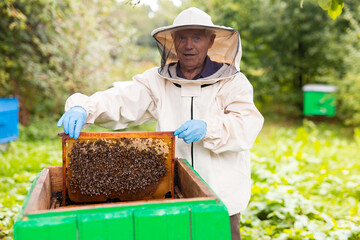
(103, 167)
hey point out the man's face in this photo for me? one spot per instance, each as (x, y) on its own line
(191, 47)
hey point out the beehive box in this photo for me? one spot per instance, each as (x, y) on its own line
(193, 212)
(118, 165)
(9, 119)
(319, 99)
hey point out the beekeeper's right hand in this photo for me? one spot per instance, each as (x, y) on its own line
(73, 120)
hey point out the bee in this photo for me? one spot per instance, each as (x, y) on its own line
(104, 167)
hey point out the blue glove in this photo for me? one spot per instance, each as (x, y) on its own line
(191, 131)
(73, 120)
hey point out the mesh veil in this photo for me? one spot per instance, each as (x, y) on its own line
(226, 47)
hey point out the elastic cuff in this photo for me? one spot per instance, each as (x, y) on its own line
(83, 101)
(212, 129)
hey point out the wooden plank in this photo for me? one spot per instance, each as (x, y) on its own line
(173, 166)
(41, 195)
(130, 203)
(56, 182)
(53, 203)
(56, 178)
(178, 193)
(189, 183)
(64, 155)
(94, 135)
(121, 204)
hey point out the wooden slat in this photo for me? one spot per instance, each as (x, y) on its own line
(41, 195)
(122, 204)
(95, 135)
(56, 178)
(178, 193)
(53, 203)
(173, 166)
(190, 185)
(63, 170)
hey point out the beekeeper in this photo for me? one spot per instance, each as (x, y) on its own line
(200, 93)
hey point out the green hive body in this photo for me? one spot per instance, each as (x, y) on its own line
(319, 100)
(180, 219)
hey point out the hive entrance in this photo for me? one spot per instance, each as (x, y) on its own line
(100, 167)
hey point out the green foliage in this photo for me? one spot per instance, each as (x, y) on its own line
(36, 149)
(24, 26)
(286, 46)
(349, 84)
(50, 49)
(333, 7)
(39, 130)
(305, 183)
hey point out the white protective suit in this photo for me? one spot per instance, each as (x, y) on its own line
(224, 101)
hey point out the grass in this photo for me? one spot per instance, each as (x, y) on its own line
(37, 147)
(306, 178)
(305, 184)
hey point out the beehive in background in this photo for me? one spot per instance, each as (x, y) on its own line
(121, 165)
(9, 119)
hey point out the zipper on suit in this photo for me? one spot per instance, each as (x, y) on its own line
(192, 144)
(192, 114)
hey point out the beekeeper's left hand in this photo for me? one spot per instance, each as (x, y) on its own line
(191, 131)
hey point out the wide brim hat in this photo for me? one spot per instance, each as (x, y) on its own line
(226, 47)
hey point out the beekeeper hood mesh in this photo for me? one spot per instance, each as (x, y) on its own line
(226, 47)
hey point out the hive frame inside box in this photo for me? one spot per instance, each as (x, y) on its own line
(165, 185)
(197, 215)
(188, 184)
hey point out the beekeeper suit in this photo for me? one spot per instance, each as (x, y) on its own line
(220, 103)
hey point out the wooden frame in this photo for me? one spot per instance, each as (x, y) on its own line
(167, 183)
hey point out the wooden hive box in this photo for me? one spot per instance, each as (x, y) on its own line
(194, 212)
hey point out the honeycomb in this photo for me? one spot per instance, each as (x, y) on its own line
(98, 169)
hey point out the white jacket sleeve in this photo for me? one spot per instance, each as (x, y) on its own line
(116, 108)
(237, 127)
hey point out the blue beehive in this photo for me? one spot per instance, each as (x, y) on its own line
(9, 119)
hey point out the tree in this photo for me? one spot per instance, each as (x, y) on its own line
(24, 25)
(50, 49)
(284, 47)
(349, 85)
(333, 7)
